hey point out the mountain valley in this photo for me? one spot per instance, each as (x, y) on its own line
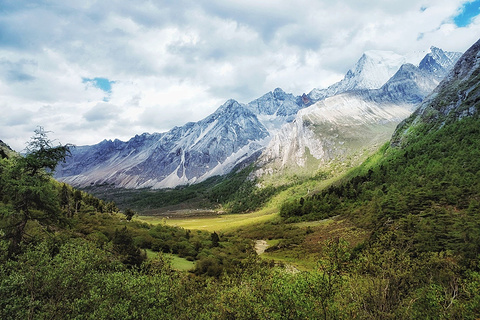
(282, 133)
(394, 237)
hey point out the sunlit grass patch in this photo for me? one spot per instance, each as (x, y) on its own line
(295, 259)
(273, 242)
(226, 222)
(178, 263)
(181, 264)
(312, 224)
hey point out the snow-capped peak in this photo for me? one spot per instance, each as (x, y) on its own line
(372, 70)
(438, 62)
(238, 132)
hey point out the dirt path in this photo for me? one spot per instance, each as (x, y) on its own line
(260, 246)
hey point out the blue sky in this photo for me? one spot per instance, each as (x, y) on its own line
(103, 84)
(98, 69)
(468, 11)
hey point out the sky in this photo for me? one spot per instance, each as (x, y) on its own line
(95, 69)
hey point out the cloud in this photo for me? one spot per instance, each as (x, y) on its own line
(89, 70)
(16, 117)
(101, 112)
(18, 71)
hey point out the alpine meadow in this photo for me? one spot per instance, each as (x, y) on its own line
(360, 200)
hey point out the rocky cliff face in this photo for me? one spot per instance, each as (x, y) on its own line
(439, 62)
(332, 128)
(409, 85)
(5, 150)
(344, 124)
(378, 92)
(183, 155)
(456, 97)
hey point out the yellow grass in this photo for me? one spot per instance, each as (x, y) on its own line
(225, 222)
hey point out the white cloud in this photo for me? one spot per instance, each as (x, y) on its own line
(174, 62)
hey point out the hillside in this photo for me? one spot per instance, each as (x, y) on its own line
(431, 158)
(353, 117)
(419, 196)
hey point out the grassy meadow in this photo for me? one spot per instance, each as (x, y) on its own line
(178, 263)
(214, 222)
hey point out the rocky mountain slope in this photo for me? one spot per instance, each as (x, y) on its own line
(183, 155)
(456, 97)
(344, 125)
(375, 68)
(419, 198)
(371, 71)
(5, 150)
(377, 93)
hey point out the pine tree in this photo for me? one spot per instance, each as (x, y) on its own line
(28, 189)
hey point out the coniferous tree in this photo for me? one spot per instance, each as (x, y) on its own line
(65, 199)
(77, 199)
(124, 246)
(215, 239)
(26, 187)
(129, 213)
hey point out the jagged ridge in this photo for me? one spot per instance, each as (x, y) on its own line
(456, 97)
(339, 126)
(238, 132)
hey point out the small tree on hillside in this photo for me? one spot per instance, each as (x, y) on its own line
(215, 239)
(42, 154)
(27, 188)
(65, 199)
(129, 213)
(77, 199)
(124, 246)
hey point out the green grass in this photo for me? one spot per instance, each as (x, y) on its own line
(181, 264)
(292, 258)
(177, 262)
(151, 254)
(226, 222)
(272, 242)
(306, 224)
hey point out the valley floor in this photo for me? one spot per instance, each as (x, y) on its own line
(298, 245)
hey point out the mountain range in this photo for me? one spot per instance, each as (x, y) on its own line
(397, 237)
(279, 131)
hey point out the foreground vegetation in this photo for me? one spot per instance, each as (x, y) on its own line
(396, 238)
(403, 244)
